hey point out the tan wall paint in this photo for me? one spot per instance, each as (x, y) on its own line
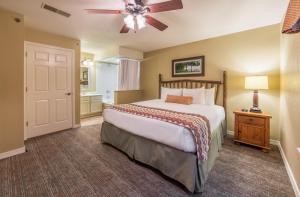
(85, 55)
(37, 36)
(129, 96)
(290, 101)
(246, 53)
(119, 51)
(109, 52)
(11, 81)
(130, 53)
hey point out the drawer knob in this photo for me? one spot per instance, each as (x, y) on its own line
(250, 119)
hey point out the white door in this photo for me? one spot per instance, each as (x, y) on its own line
(49, 85)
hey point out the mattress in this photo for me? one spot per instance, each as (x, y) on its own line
(164, 132)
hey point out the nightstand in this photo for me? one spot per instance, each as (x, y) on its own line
(253, 129)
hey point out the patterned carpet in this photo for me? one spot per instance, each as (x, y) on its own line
(75, 163)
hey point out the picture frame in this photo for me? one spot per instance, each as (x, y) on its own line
(188, 67)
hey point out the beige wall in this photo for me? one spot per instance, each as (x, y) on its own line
(11, 81)
(290, 101)
(34, 35)
(130, 53)
(129, 96)
(246, 53)
(119, 51)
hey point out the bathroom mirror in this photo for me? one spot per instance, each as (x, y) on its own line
(84, 77)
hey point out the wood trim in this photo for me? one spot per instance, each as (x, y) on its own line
(159, 86)
(260, 115)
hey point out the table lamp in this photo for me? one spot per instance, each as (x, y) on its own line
(256, 83)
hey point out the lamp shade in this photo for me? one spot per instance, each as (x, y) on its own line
(256, 83)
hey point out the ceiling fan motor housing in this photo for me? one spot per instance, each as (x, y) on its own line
(137, 9)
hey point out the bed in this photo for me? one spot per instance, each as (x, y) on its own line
(167, 147)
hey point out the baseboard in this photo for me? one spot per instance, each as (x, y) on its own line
(75, 126)
(289, 171)
(230, 132)
(286, 164)
(275, 142)
(12, 153)
(91, 115)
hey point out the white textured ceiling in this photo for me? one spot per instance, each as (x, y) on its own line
(199, 19)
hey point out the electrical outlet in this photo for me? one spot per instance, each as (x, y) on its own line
(298, 149)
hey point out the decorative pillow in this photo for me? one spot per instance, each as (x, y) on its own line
(186, 100)
(170, 91)
(210, 96)
(198, 95)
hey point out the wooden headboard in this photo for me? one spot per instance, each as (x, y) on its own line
(193, 83)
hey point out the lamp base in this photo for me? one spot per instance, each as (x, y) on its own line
(255, 110)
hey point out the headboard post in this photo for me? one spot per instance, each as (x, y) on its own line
(159, 85)
(224, 91)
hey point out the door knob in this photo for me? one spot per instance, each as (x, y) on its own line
(68, 94)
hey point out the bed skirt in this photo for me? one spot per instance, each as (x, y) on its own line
(176, 164)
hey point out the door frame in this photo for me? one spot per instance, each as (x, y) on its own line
(73, 81)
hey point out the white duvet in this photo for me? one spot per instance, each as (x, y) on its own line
(164, 132)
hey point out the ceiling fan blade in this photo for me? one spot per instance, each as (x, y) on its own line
(155, 23)
(124, 29)
(165, 6)
(101, 11)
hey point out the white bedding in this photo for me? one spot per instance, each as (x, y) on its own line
(163, 132)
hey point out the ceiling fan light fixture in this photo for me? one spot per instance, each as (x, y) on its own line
(129, 21)
(87, 62)
(135, 21)
(141, 21)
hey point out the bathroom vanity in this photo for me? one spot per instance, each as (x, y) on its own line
(90, 104)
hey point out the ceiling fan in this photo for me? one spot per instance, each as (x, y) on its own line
(135, 13)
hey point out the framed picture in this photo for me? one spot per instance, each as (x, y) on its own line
(188, 67)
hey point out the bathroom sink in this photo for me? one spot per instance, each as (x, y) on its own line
(90, 94)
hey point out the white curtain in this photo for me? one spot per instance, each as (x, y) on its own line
(129, 75)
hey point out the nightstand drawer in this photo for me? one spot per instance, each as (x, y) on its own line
(251, 120)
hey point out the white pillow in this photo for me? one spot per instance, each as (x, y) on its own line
(210, 96)
(170, 91)
(198, 95)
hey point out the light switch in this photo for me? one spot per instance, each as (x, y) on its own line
(298, 149)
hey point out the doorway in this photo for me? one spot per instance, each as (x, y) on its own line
(49, 89)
